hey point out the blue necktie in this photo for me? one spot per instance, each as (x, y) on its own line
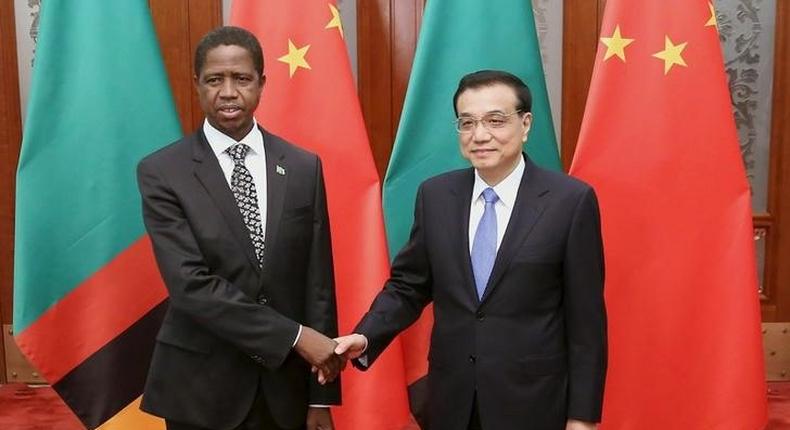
(484, 245)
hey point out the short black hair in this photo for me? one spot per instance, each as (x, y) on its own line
(231, 36)
(487, 78)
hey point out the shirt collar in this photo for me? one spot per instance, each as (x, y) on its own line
(220, 141)
(506, 190)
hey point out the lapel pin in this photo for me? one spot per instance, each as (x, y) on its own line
(280, 170)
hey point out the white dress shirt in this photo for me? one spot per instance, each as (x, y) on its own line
(507, 190)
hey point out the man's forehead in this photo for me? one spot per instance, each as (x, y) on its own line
(235, 59)
(487, 99)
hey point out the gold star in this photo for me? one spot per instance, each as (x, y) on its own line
(671, 54)
(295, 57)
(615, 45)
(335, 22)
(712, 19)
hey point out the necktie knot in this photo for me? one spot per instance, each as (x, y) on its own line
(238, 152)
(489, 195)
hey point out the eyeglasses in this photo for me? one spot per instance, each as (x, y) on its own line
(491, 121)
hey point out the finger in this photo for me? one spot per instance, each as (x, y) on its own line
(342, 347)
(332, 374)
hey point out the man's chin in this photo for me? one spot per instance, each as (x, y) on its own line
(234, 129)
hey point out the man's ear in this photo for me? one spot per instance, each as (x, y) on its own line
(526, 122)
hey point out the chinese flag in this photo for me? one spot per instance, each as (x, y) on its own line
(310, 100)
(658, 143)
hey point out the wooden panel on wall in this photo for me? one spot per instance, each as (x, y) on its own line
(581, 22)
(179, 26)
(777, 270)
(387, 33)
(10, 139)
(406, 20)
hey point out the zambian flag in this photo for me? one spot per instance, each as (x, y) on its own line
(88, 298)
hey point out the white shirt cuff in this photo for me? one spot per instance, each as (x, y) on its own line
(363, 359)
(298, 335)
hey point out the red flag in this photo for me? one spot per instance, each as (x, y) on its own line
(658, 143)
(310, 100)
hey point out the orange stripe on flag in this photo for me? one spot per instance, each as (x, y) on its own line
(131, 417)
(95, 312)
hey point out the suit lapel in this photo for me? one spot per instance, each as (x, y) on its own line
(459, 236)
(276, 180)
(529, 205)
(210, 175)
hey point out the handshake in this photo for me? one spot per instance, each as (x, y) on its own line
(327, 356)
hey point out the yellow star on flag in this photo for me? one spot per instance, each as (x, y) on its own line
(335, 22)
(295, 57)
(712, 19)
(671, 54)
(615, 45)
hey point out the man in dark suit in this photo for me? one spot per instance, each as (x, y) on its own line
(238, 221)
(511, 257)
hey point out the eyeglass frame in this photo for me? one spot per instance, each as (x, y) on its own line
(477, 121)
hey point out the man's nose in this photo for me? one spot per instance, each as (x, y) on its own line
(228, 89)
(480, 132)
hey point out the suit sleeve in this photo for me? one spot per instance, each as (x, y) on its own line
(405, 295)
(585, 312)
(210, 300)
(321, 311)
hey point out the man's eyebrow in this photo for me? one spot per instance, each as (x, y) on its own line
(484, 113)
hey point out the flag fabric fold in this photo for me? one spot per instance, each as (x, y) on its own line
(658, 143)
(88, 298)
(310, 99)
(457, 37)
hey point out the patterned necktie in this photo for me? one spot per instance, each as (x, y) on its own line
(246, 197)
(484, 245)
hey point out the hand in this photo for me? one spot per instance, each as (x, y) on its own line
(319, 351)
(319, 419)
(580, 425)
(351, 346)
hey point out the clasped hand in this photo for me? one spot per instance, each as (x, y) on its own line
(328, 357)
(319, 351)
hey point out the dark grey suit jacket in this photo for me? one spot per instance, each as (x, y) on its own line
(231, 325)
(533, 349)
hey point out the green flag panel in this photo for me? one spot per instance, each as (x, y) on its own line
(99, 101)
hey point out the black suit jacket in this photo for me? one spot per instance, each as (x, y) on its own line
(533, 348)
(230, 325)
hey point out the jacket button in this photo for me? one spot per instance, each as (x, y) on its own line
(472, 358)
(480, 316)
(262, 300)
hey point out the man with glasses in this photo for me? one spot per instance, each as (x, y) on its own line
(511, 257)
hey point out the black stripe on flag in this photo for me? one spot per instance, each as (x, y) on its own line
(114, 376)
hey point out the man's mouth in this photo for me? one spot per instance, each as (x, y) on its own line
(229, 112)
